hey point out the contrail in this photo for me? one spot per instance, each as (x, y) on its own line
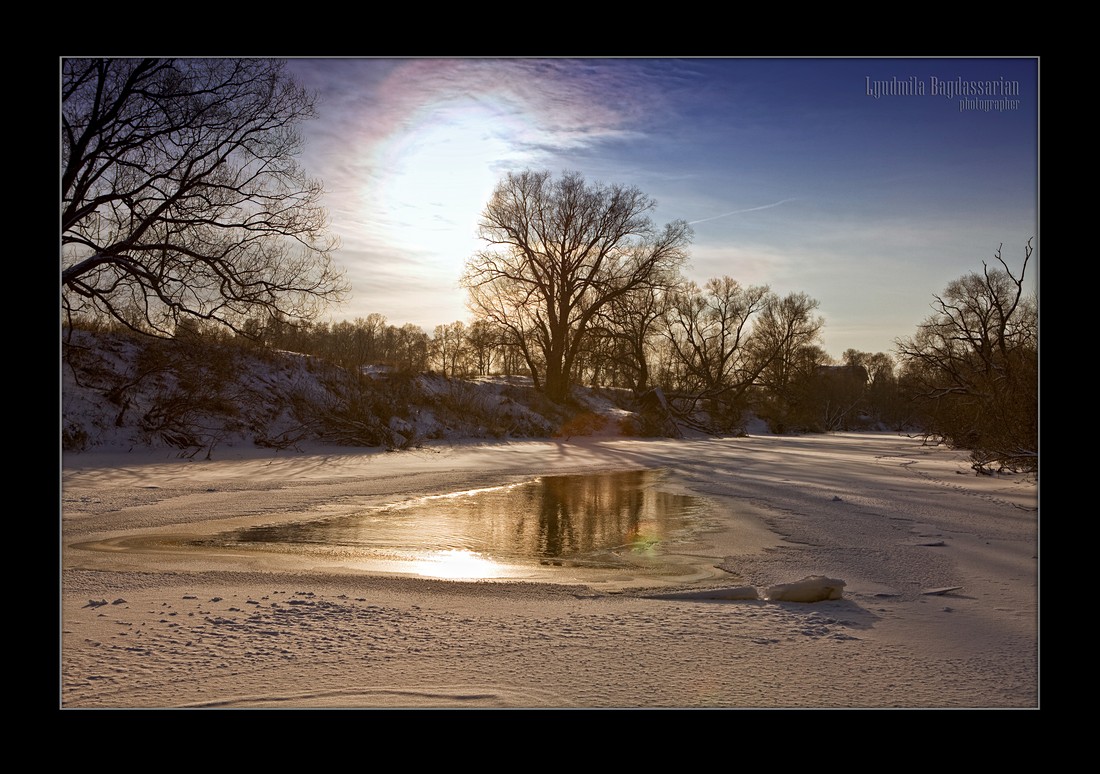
(738, 212)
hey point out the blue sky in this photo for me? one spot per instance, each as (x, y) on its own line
(790, 172)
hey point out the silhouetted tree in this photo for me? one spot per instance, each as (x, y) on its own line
(181, 196)
(882, 401)
(731, 346)
(559, 252)
(786, 356)
(483, 341)
(973, 365)
(835, 395)
(449, 348)
(709, 330)
(628, 328)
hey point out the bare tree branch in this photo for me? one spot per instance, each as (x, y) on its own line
(181, 196)
(559, 252)
(973, 364)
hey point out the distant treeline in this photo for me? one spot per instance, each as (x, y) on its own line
(710, 357)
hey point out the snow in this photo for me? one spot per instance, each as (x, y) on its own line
(925, 576)
(812, 588)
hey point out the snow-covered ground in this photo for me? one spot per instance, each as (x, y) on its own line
(939, 608)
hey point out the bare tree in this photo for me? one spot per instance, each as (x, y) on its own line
(882, 401)
(731, 345)
(559, 251)
(482, 340)
(785, 327)
(709, 332)
(784, 348)
(449, 348)
(629, 326)
(411, 345)
(974, 366)
(181, 197)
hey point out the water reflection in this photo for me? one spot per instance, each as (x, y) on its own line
(608, 519)
(457, 565)
(579, 515)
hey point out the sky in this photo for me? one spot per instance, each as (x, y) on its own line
(868, 184)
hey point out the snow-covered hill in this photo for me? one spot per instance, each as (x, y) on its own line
(121, 392)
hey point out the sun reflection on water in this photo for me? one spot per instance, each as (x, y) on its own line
(457, 564)
(569, 524)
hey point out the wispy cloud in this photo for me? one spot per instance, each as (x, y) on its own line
(738, 212)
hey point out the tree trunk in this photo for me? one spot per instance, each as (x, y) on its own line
(556, 386)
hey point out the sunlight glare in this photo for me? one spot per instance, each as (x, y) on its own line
(436, 174)
(455, 564)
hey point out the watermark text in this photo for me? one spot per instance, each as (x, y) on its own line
(982, 95)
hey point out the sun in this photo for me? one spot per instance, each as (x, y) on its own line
(434, 175)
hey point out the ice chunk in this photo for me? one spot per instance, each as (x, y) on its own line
(812, 588)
